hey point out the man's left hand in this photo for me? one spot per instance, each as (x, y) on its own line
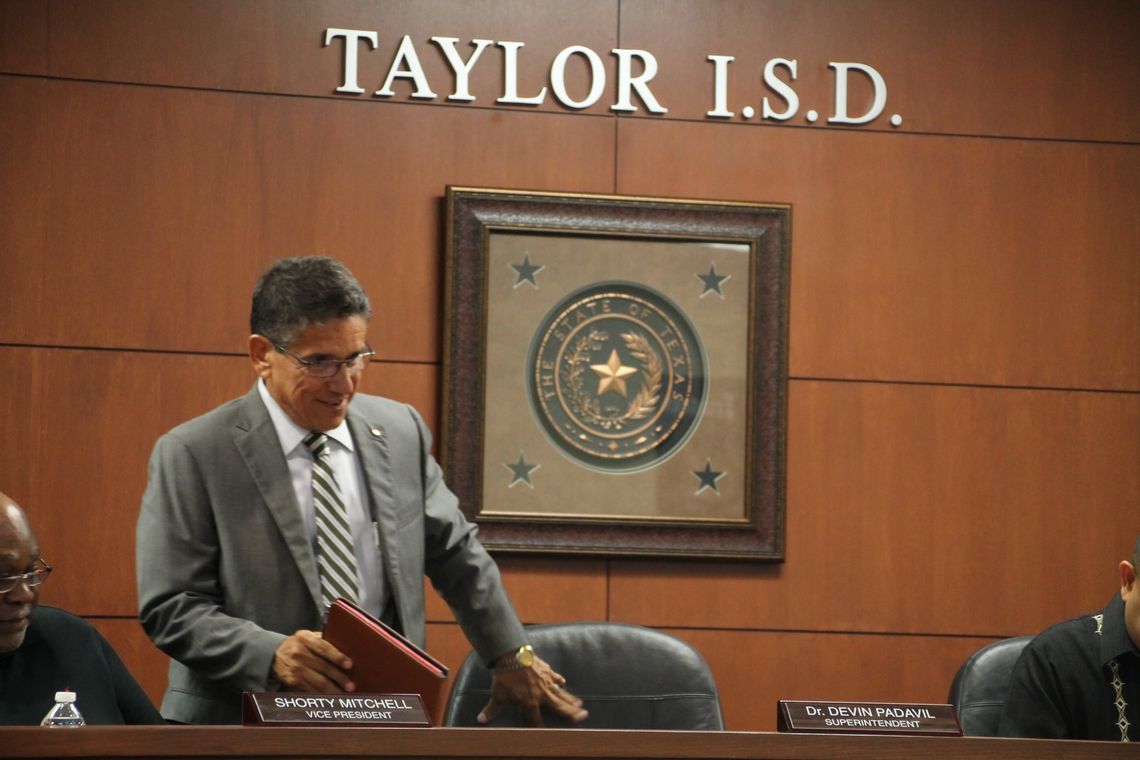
(533, 688)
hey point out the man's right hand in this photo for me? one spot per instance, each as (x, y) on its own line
(306, 662)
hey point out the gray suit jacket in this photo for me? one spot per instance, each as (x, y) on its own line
(226, 572)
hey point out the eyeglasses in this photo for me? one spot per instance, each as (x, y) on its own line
(31, 580)
(329, 367)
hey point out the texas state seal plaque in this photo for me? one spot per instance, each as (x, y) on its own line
(615, 373)
(616, 376)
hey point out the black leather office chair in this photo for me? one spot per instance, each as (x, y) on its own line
(627, 677)
(981, 685)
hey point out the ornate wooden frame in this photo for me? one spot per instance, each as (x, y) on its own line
(480, 219)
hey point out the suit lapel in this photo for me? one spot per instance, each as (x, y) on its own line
(371, 440)
(256, 439)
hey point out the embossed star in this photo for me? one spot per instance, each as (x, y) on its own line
(612, 374)
(526, 271)
(713, 281)
(708, 478)
(520, 471)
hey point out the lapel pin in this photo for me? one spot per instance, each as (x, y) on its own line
(377, 432)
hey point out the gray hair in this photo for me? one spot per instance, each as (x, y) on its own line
(296, 293)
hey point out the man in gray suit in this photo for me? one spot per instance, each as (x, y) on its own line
(248, 507)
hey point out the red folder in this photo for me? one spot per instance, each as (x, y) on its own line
(383, 661)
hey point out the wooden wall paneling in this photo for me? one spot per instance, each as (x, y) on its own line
(166, 198)
(274, 46)
(545, 589)
(755, 669)
(143, 659)
(991, 59)
(942, 259)
(23, 37)
(415, 384)
(24, 199)
(557, 589)
(176, 201)
(78, 442)
(1059, 68)
(926, 510)
(386, 229)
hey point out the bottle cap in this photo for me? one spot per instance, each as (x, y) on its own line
(65, 696)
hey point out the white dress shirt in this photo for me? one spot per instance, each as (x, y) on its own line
(350, 477)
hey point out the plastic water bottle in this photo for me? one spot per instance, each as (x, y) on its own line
(65, 713)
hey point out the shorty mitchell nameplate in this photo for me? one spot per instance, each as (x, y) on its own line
(304, 709)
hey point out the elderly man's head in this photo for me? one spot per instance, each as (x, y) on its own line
(21, 573)
(309, 324)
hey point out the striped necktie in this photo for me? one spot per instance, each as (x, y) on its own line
(336, 559)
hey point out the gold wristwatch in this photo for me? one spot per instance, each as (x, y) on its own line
(520, 660)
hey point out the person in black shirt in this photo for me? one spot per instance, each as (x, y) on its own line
(1081, 679)
(44, 650)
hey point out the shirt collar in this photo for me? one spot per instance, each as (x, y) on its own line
(289, 433)
(1114, 639)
